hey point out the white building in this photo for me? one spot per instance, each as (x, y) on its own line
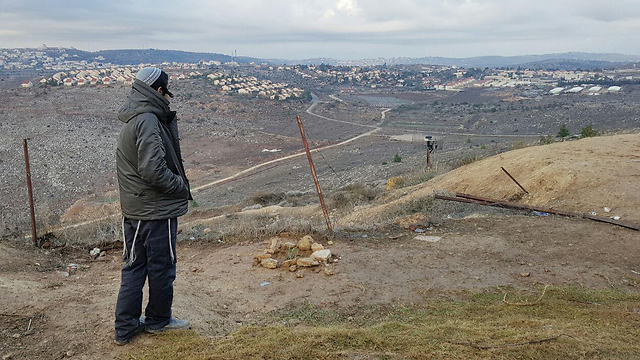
(595, 89)
(575, 90)
(556, 91)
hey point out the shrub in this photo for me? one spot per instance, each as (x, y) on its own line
(397, 158)
(564, 131)
(588, 131)
(466, 160)
(352, 195)
(267, 198)
(546, 140)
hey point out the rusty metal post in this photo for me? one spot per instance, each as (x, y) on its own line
(428, 157)
(514, 180)
(315, 178)
(34, 235)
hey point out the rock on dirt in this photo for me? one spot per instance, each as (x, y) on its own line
(206, 231)
(425, 238)
(287, 263)
(263, 256)
(329, 272)
(307, 262)
(322, 255)
(274, 244)
(287, 245)
(269, 263)
(316, 247)
(305, 243)
(95, 252)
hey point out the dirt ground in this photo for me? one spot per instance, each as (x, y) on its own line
(582, 176)
(219, 290)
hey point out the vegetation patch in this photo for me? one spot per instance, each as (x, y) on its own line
(566, 323)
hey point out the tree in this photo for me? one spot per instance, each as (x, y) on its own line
(564, 131)
(588, 131)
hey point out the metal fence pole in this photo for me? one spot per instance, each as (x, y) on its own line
(34, 236)
(315, 178)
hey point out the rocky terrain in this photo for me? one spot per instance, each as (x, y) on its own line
(73, 132)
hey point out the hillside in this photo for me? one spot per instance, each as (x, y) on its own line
(582, 176)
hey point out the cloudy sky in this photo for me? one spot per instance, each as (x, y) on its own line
(342, 29)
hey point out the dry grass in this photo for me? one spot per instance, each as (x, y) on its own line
(352, 195)
(594, 324)
(256, 224)
(560, 175)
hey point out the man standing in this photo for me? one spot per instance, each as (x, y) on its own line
(154, 191)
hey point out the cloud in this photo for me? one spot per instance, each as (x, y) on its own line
(348, 6)
(328, 28)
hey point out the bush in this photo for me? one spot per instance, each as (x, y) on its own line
(397, 158)
(588, 131)
(352, 195)
(267, 198)
(546, 140)
(564, 131)
(466, 160)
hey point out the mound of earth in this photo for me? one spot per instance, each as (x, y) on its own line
(582, 176)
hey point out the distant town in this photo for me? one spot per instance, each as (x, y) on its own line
(65, 67)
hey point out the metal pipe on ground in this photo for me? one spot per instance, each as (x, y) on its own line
(474, 199)
(514, 180)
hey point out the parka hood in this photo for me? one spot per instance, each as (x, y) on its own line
(143, 99)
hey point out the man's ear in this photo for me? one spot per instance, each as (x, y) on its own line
(160, 90)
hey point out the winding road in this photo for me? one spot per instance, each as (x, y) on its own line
(239, 175)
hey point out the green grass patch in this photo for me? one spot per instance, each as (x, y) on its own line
(588, 324)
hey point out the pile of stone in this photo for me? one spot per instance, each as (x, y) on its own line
(294, 256)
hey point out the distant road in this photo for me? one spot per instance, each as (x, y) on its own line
(316, 101)
(289, 157)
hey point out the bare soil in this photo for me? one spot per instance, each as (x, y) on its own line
(582, 176)
(219, 289)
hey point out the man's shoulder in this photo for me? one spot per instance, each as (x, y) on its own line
(147, 116)
(144, 120)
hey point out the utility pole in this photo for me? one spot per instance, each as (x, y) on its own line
(431, 147)
(34, 235)
(315, 178)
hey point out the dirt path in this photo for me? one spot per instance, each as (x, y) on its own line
(249, 170)
(74, 314)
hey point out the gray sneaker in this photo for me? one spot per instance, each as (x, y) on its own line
(174, 324)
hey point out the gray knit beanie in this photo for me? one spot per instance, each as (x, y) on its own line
(148, 75)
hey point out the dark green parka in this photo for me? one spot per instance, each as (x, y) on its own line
(151, 177)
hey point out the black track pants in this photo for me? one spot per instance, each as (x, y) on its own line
(149, 251)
